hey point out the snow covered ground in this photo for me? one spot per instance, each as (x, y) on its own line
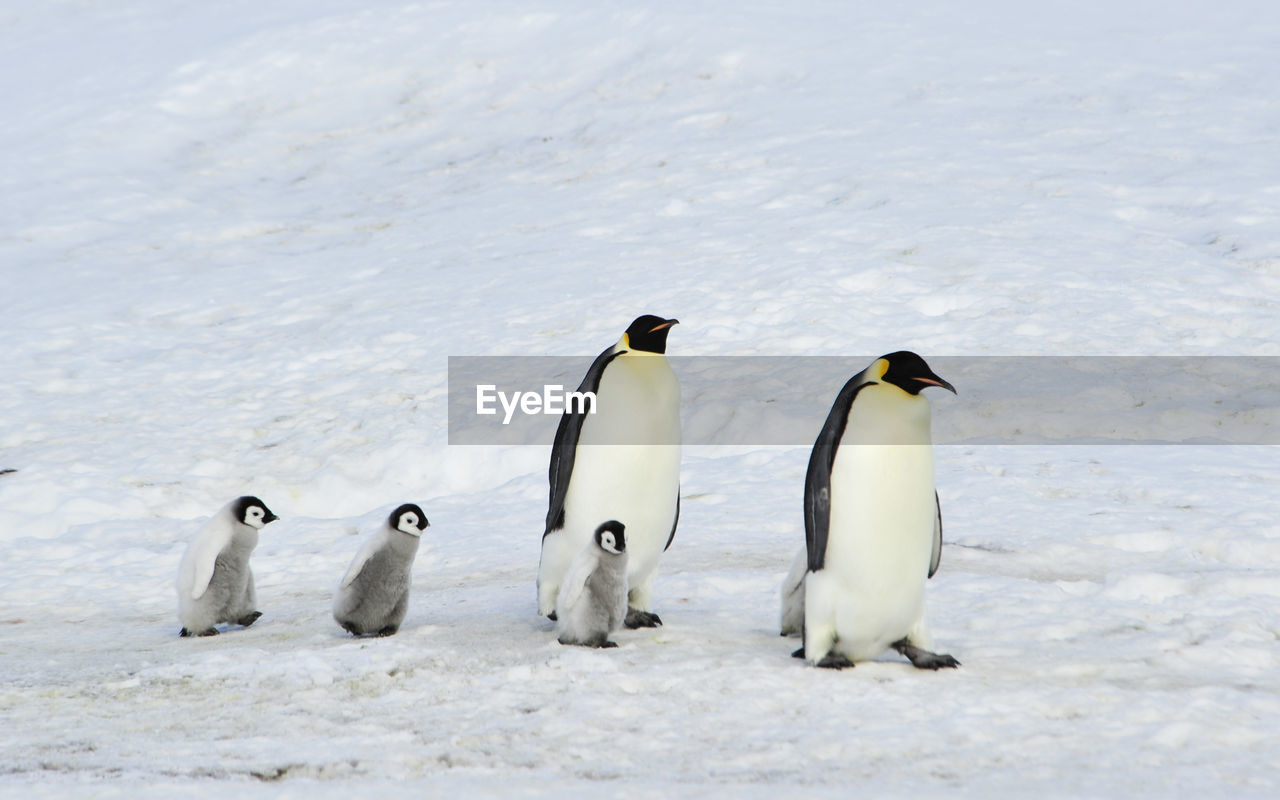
(240, 240)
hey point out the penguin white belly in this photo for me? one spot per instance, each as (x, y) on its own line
(634, 484)
(870, 591)
(638, 403)
(626, 467)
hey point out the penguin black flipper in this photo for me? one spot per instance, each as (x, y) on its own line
(565, 447)
(817, 480)
(935, 558)
(674, 523)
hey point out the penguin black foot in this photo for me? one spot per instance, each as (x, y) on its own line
(835, 661)
(601, 643)
(351, 629)
(552, 616)
(185, 633)
(642, 619)
(799, 653)
(249, 619)
(389, 630)
(923, 659)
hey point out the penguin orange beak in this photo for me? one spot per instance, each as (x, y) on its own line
(666, 324)
(939, 382)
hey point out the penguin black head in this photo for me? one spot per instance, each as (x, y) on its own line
(611, 538)
(409, 519)
(253, 512)
(908, 372)
(649, 333)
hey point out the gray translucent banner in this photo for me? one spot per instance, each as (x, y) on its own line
(784, 400)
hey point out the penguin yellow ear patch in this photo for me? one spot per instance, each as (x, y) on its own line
(626, 341)
(882, 366)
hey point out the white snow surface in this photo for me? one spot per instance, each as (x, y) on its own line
(239, 240)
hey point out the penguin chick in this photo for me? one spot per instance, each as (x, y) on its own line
(374, 594)
(792, 622)
(592, 602)
(215, 583)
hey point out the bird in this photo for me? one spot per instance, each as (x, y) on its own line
(592, 602)
(619, 460)
(215, 584)
(374, 594)
(792, 622)
(873, 522)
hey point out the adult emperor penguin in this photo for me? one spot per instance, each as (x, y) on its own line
(215, 583)
(374, 594)
(621, 462)
(873, 526)
(592, 602)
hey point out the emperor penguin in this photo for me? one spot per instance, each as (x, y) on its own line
(374, 594)
(873, 524)
(619, 460)
(215, 583)
(592, 601)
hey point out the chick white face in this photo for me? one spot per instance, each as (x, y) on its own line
(409, 524)
(253, 512)
(409, 519)
(611, 537)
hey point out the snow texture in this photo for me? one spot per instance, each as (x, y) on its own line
(239, 241)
